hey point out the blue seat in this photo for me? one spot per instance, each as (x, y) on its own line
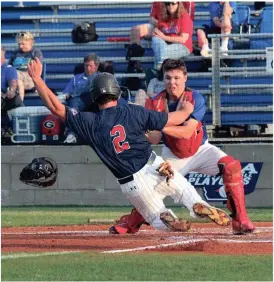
(265, 25)
(33, 101)
(236, 118)
(245, 100)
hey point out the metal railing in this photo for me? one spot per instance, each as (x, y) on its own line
(219, 73)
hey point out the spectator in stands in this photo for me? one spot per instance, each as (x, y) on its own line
(172, 38)
(190, 8)
(78, 86)
(224, 20)
(21, 57)
(155, 86)
(145, 30)
(9, 86)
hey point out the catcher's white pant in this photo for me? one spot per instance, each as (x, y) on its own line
(147, 189)
(204, 161)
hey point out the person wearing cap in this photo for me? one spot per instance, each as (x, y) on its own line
(21, 57)
(79, 85)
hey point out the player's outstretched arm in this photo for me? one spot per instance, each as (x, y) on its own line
(51, 101)
(178, 117)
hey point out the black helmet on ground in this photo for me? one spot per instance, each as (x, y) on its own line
(41, 172)
(104, 84)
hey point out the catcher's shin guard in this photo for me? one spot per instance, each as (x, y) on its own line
(129, 223)
(234, 187)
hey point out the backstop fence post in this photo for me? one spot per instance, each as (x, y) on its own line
(216, 88)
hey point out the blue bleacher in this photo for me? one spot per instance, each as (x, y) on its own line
(12, 20)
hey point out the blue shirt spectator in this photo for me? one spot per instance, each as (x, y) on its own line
(216, 10)
(21, 57)
(78, 86)
(9, 85)
(8, 73)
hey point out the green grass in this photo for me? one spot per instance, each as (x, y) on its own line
(37, 216)
(138, 267)
(91, 266)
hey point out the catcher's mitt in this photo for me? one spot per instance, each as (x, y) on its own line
(165, 170)
(41, 172)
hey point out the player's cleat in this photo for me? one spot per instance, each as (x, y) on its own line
(129, 223)
(242, 228)
(218, 216)
(174, 223)
(118, 229)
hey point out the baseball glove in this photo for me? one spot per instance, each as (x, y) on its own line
(41, 172)
(165, 170)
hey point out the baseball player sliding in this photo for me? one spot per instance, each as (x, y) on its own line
(117, 134)
(186, 145)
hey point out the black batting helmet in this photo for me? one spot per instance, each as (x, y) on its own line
(104, 84)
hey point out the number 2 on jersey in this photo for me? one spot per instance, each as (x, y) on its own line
(119, 134)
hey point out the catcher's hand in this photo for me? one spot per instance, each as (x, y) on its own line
(165, 170)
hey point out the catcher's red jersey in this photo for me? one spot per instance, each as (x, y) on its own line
(182, 148)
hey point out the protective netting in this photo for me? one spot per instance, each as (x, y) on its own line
(237, 82)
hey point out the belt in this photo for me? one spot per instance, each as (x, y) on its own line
(130, 178)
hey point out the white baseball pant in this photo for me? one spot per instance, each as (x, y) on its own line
(204, 161)
(146, 190)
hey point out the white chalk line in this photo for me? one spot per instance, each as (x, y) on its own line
(186, 242)
(241, 241)
(57, 232)
(105, 232)
(26, 255)
(155, 247)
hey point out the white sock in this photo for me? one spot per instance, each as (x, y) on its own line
(224, 43)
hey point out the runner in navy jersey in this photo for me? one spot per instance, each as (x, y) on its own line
(117, 134)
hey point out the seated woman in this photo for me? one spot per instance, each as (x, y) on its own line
(173, 36)
(21, 57)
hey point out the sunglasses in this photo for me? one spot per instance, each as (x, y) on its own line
(171, 3)
(24, 34)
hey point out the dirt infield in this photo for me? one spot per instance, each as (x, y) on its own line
(203, 237)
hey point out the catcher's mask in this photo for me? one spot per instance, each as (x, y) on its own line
(41, 172)
(104, 84)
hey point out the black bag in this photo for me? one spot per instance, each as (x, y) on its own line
(133, 83)
(134, 50)
(84, 32)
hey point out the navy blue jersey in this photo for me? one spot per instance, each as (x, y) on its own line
(117, 135)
